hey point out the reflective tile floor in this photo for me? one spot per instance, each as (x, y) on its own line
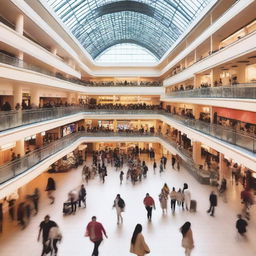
(213, 236)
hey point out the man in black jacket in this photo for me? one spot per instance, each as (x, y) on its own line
(213, 203)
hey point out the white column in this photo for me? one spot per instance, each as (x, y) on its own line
(20, 147)
(17, 95)
(34, 97)
(221, 166)
(197, 152)
(20, 24)
(54, 50)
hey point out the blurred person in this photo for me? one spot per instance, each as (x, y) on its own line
(95, 231)
(187, 238)
(138, 244)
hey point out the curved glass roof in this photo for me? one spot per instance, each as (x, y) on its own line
(126, 53)
(153, 24)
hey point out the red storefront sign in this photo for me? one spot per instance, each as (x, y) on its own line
(244, 116)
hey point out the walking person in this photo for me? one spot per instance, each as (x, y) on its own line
(180, 197)
(119, 204)
(187, 197)
(149, 204)
(54, 237)
(82, 196)
(21, 215)
(95, 231)
(213, 203)
(173, 161)
(187, 238)
(35, 199)
(73, 197)
(50, 188)
(161, 168)
(173, 196)
(154, 166)
(163, 198)
(223, 190)
(44, 228)
(121, 177)
(241, 225)
(138, 244)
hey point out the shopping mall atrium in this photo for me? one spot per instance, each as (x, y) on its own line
(123, 97)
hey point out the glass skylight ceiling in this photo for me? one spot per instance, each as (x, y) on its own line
(123, 53)
(153, 24)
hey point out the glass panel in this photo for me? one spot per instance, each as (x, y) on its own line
(154, 25)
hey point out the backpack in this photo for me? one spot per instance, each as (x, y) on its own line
(121, 203)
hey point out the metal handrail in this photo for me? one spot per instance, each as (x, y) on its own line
(6, 59)
(19, 166)
(245, 91)
(19, 118)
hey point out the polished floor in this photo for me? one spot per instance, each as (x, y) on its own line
(213, 236)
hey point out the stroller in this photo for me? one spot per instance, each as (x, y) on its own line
(67, 209)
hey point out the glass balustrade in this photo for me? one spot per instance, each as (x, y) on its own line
(6, 59)
(242, 91)
(19, 166)
(14, 119)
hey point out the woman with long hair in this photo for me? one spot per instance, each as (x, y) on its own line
(138, 244)
(187, 238)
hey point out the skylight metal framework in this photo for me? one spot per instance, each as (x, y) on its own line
(153, 24)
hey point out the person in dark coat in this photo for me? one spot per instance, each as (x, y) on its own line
(35, 199)
(50, 187)
(21, 215)
(241, 225)
(213, 203)
(173, 161)
(81, 196)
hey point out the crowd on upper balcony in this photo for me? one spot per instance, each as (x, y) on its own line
(124, 83)
(137, 106)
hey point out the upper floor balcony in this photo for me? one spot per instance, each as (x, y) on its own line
(228, 135)
(13, 61)
(241, 91)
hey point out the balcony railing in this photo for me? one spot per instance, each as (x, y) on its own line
(242, 91)
(23, 164)
(6, 59)
(18, 118)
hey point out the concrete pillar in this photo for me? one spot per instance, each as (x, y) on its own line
(197, 111)
(39, 139)
(20, 147)
(70, 98)
(17, 95)
(94, 123)
(115, 125)
(54, 50)
(19, 26)
(186, 62)
(34, 97)
(195, 56)
(221, 166)
(197, 152)
(241, 74)
(20, 56)
(211, 115)
(211, 78)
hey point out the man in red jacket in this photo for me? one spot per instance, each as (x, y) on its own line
(149, 204)
(95, 232)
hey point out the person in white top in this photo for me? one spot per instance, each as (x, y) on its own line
(119, 204)
(187, 196)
